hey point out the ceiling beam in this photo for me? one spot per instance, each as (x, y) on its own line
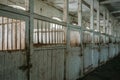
(113, 12)
(109, 1)
(118, 17)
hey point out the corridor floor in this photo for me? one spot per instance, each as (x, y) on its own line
(108, 71)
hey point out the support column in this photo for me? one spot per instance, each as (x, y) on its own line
(81, 36)
(92, 26)
(98, 27)
(31, 24)
(67, 32)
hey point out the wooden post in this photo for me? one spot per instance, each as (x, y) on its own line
(81, 36)
(92, 26)
(31, 24)
(67, 32)
(104, 25)
(98, 26)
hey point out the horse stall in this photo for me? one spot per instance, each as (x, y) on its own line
(49, 41)
(73, 56)
(96, 51)
(13, 48)
(87, 52)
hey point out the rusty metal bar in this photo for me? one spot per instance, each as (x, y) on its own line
(45, 32)
(38, 31)
(41, 31)
(7, 31)
(16, 35)
(20, 35)
(3, 33)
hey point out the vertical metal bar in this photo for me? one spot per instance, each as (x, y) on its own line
(58, 33)
(52, 32)
(55, 33)
(38, 31)
(7, 31)
(42, 32)
(12, 34)
(15, 34)
(104, 24)
(62, 35)
(2, 33)
(45, 32)
(81, 36)
(20, 35)
(49, 33)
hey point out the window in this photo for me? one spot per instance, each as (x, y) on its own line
(48, 33)
(12, 34)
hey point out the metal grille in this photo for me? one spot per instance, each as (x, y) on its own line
(46, 33)
(12, 34)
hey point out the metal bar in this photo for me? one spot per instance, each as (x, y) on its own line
(55, 41)
(38, 31)
(16, 35)
(2, 33)
(20, 35)
(7, 31)
(107, 27)
(46, 32)
(104, 26)
(12, 34)
(41, 32)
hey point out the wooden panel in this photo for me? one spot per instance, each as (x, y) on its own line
(95, 56)
(9, 66)
(48, 64)
(73, 64)
(87, 58)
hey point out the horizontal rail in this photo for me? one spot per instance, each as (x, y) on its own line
(43, 18)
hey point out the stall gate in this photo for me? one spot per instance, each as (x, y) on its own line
(13, 46)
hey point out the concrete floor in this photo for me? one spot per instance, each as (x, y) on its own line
(109, 71)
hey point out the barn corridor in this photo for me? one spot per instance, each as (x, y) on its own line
(59, 39)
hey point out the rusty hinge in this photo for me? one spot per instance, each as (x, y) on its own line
(25, 67)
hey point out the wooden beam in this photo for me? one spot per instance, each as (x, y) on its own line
(109, 1)
(65, 11)
(113, 12)
(80, 12)
(98, 16)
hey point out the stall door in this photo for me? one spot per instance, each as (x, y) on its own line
(13, 59)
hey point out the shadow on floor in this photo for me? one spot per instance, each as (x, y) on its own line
(109, 71)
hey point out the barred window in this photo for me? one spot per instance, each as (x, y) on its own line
(12, 34)
(48, 33)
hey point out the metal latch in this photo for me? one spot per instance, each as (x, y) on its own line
(25, 67)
